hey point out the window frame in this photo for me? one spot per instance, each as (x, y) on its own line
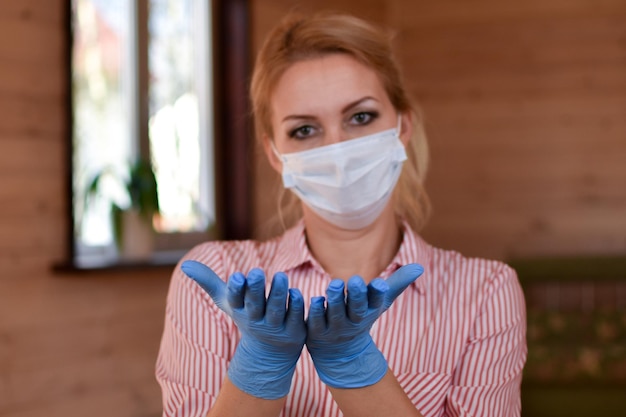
(232, 156)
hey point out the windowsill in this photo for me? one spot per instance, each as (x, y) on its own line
(160, 260)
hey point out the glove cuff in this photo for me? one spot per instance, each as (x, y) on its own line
(360, 370)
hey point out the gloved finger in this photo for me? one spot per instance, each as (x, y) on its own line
(254, 301)
(335, 302)
(316, 322)
(376, 292)
(235, 290)
(275, 307)
(208, 281)
(356, 304)
(400, 280)
(295, 309)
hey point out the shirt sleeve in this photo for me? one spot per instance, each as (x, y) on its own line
(195, 346)
(486, 381)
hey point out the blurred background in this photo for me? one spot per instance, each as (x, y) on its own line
(525, 109)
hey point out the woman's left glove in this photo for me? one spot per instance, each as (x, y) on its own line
(338, 338)
(273, 331)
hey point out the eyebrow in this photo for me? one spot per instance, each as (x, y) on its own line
(344, 110)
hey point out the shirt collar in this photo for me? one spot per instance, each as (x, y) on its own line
(413, 249)
(292, 249)
(293, 252)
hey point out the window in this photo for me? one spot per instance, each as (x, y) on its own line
(142, 79)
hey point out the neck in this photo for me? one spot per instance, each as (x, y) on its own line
(344, 253)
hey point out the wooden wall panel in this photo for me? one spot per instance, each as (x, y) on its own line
(107, 352)
(70, 345)
(80, 345)
(525, 109)
(524, 104)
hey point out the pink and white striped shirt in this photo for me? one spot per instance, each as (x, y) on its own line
(455, 339)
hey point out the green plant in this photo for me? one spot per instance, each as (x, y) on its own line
(140, 186)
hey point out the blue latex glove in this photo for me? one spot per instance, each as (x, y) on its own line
(273, 331)
(338, 337)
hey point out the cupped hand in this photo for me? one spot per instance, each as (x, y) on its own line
(338, 337)
(273, 330)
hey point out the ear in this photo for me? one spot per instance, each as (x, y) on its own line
(406, 127)
(271, 156)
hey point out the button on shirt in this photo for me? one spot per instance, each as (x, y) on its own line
(455, 339)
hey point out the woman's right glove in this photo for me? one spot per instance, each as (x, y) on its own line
(338, 337)
(273, 331)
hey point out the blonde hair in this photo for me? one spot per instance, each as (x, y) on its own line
(298, 38)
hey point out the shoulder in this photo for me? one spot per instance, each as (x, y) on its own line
(473, 278)
(448, 267)
(484, 294)
(450, 274)
(450, 264)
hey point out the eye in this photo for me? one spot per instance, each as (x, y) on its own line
(363, 118)
(302, 132)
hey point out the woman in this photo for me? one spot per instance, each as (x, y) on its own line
(335, 120)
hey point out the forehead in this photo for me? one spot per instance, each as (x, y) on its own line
(324, 83)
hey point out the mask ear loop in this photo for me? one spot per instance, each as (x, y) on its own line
(278, 155)
(288, 181)
(282, 189)
(399, 127)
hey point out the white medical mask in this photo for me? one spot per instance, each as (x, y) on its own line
(347, 183)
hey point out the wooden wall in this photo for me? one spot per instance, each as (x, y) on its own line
(525, 105)
(70, 345)
(525, 108)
